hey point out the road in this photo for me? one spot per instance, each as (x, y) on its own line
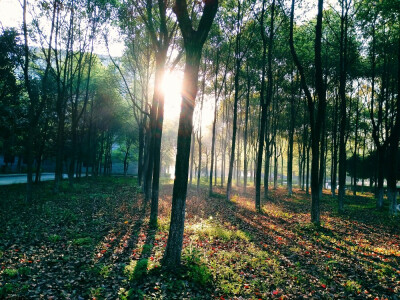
(6, 179)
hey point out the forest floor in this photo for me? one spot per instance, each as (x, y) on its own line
(94, 242)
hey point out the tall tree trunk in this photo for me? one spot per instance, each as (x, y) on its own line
(140, 155)
(316, 115)
(246, 121)
(343, 113)
(238, 154)
(290, 143)
(275, 167)
(334, 148)
(193, 44)
(236, 100)
(192, 157)
(200, 131)
(393, 148)
(355, 154)
(213, 152)
(308, 171)
(159, 95)
(264, 103)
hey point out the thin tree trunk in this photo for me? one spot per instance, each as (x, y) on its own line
(246, 121)
(264, 103)
(200, 131)
(192, 157)
(316, 117)
(343, 114)
(290, 143)
(160, 63)
(235, 105)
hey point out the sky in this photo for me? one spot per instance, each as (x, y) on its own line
(11, 16)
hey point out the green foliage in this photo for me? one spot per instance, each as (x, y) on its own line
(68, 217)
(214, 230)
(96, 293)
(105, 271)
(136, 270)
(146, 249)
(10, 90)
(7, 289)
(352, 286)
(198, 272)
(54, 238)
(11, 272)
(24, 271)
(124, 294)
(84, 241)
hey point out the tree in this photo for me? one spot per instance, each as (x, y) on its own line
(193, 44)
(316, 114)
(10, 91)
(345, 5)
(264, 103)
(36, 102)
(238, 59)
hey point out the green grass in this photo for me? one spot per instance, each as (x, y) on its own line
(11, 272)
(54, 238)
(209, 229)
(85, 241)
(136, 270)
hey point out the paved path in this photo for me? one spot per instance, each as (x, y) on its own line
(6, 179)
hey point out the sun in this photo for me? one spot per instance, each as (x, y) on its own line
(171, 86)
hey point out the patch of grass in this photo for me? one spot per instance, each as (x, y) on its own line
(136, 270)
(96, 293)
(54, 238)
(98, 270)
(214, 230)
(105, 271)
(146, 249)
(11, 272)
(85, 241)
(198, 272)
(7, 289)
(163, 224)
(352, 286)
(385, 271)
(177, 285)
(68, 217)
(244, 236)
(24, 271)
(124, 294)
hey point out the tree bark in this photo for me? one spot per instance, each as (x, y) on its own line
(235, 104)
(290, 142)
(246, 121)
(393, 148)
(264, 103)
(343, 113)
(316, 116)
(193, 44)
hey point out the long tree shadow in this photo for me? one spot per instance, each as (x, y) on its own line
(72, 243)
(310, 243)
